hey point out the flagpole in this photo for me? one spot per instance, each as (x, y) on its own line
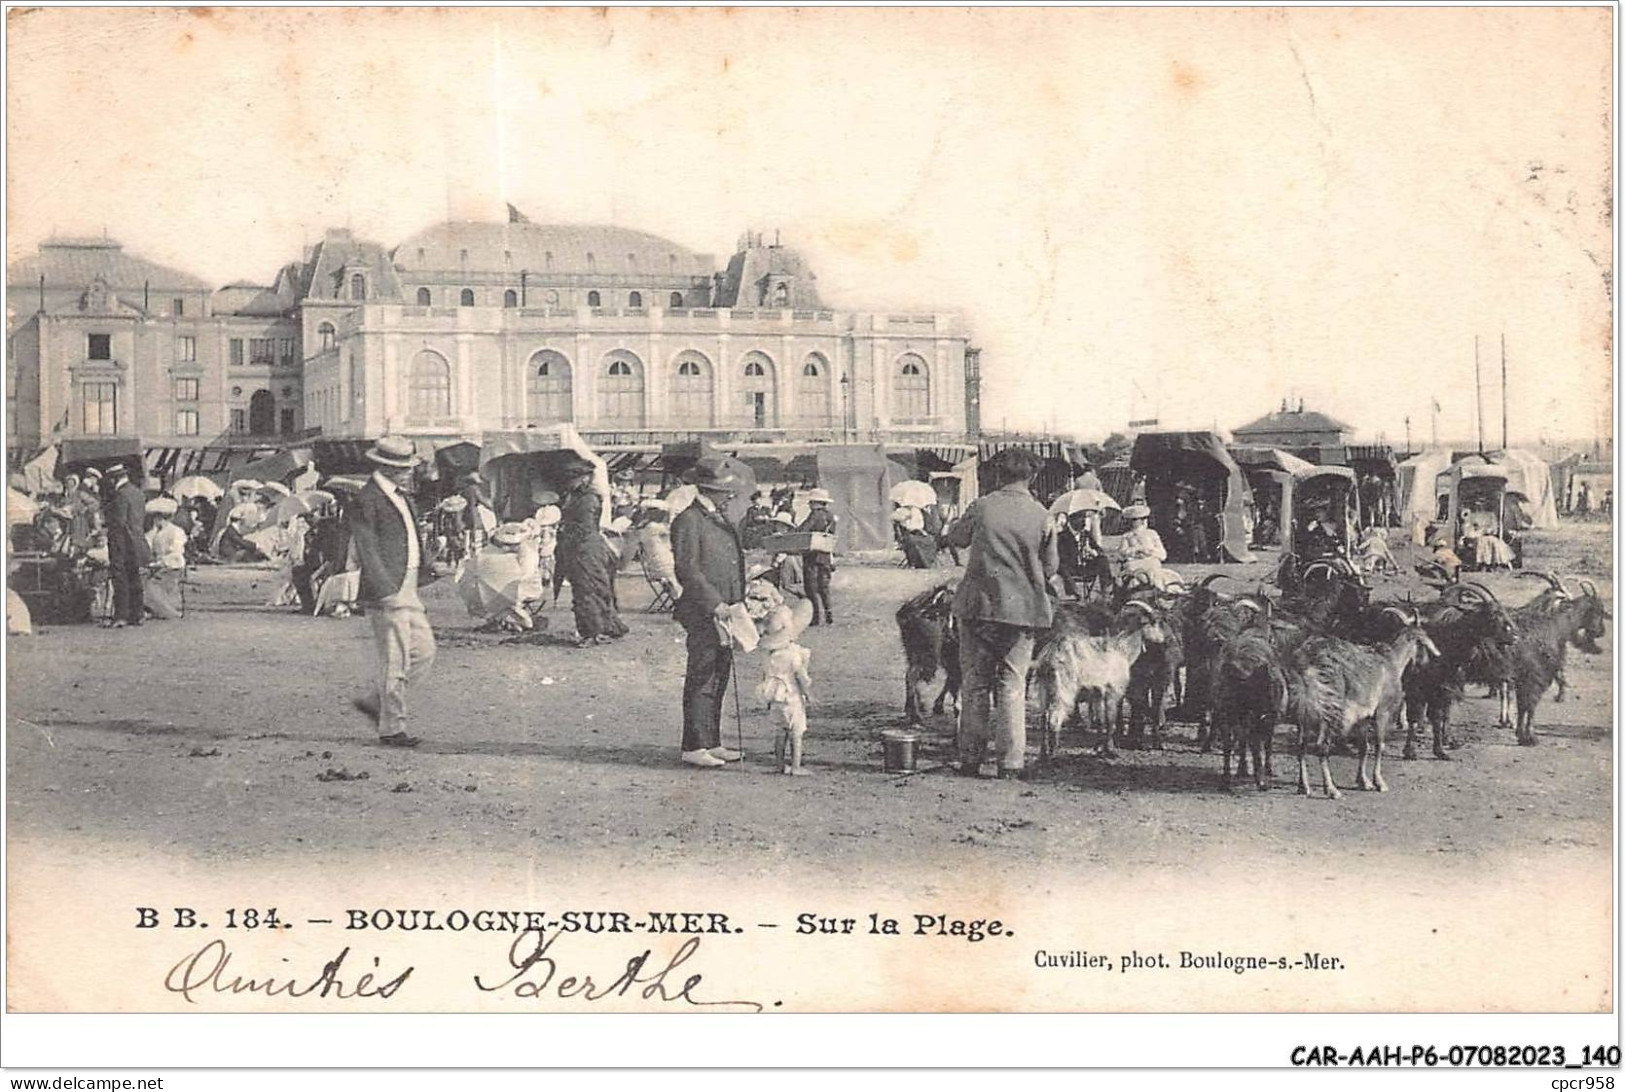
(1478, 392)
(1503, 390)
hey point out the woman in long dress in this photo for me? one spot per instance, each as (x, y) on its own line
(584, 560)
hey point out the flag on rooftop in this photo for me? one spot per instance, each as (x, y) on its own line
(515, 216)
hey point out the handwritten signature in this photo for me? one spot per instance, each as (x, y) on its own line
(206, 971)
(532, 973)
(536, 973)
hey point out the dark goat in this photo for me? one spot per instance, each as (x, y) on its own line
(1155, 672)
(1471, 628)
(1210, 618)
(930, 640)
(1250, 694)
(1538, 655)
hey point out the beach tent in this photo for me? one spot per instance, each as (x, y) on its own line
(859, 478)
(520, 463)
(1170, 462)
(1415, 477)
(1528, 474)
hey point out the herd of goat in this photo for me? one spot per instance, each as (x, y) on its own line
(1346, 669)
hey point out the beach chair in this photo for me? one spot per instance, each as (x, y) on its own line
(662, 603)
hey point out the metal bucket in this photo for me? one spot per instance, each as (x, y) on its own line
(899, 748)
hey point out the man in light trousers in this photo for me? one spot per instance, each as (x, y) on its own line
(384, 536)
(1002, 602)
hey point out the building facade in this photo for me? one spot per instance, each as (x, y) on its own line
(467, 327)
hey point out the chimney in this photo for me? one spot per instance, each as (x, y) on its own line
(1283, 405)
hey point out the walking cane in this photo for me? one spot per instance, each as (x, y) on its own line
(739, 718)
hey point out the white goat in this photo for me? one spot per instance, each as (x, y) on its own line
(1337, 686)
(1076, 665)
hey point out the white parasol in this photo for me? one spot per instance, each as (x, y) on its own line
(914, 494)
(1083, 500)
(197, 485)
(20, 508)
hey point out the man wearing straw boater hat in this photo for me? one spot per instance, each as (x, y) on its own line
(384, 534)
(1003, 600)
(710, 566)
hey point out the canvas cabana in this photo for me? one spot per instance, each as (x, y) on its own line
(519, 464)
(1194, 463)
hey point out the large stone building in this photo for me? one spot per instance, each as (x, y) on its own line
(466, 327)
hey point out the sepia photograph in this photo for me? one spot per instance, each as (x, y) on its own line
(813, 511)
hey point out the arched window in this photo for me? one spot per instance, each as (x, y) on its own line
(620, 391)
(911, 389)
(677, 299)
(467, 298)
(812, 393)
(428, 387)
(781, 295)
(262, 413)
(594, 299)
(424, 297)
(326, 336)
(358, 287)
(548, 393)
(635, 299)
(760, 393)
(510, 298)
(691, 391)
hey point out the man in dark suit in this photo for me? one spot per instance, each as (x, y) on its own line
(384, 535)
(1002, 602)
(125, 513)
(710, 566)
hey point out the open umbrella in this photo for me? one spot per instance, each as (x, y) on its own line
(20, 508)
(1083, 500)
(289, 507)
(249, 485)
(197, 485)
(915, 494)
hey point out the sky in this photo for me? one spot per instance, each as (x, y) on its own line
(1185, 215)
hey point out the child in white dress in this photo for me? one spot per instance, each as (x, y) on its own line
(786, 686)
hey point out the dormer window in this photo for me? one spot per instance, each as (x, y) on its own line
(781, 295)
(326, 336)
(358, 287)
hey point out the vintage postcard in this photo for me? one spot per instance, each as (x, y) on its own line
(811, 511)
